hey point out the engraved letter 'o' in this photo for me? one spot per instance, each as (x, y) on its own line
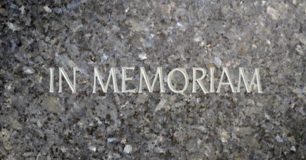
(170, 77)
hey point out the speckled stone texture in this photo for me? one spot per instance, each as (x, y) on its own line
(38, 34)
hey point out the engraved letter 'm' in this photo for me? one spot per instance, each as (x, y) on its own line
(112, 74)
(249, 87)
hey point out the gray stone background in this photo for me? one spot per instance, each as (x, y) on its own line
(38, 34)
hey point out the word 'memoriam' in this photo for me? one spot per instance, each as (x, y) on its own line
(251, 84)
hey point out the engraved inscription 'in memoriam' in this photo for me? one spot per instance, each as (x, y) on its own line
(195, 80)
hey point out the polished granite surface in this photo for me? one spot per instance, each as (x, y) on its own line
(38, 34)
